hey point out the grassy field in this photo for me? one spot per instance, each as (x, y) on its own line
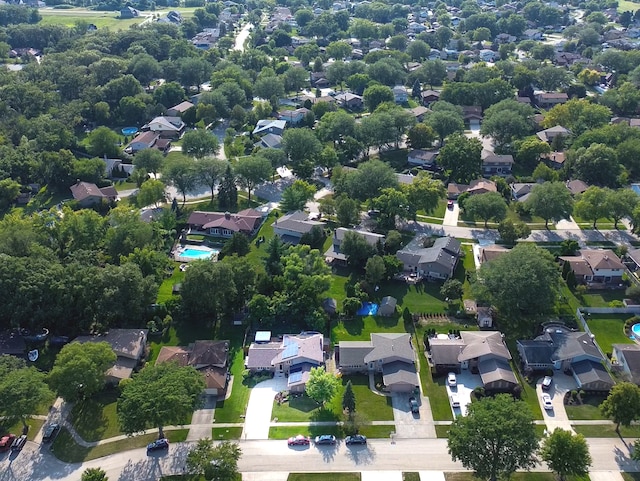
(607, 431)
(608, 329)
(323, 476)
(65, 448)
(626, 5)
(95, 418)
(411, 476)
(360, 327)
(589, 409)
(70, 17)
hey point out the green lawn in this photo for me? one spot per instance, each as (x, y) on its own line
(324, 476)
(626, 5)
(607, 431)
(65, 448)
(442, 431)
(165, 292)
(434, 389)
(95, 418)
(231, 410)
(257, 254)
(528, 394)
(602, 298)
(411, 476)
(370, 431)
(226, 433)
(121, 185)
(515, 477)
(589, 409)
(34, 426)
(69, 17)
(608, 329)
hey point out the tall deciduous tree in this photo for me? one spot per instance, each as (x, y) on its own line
(486, 206)
(566, 454)
(159, 395)
(445, 123)
(22, 389)
(103, 141)
(296, 196)
(150, 160)
(551, 200)
(227, 191)
(200, 143)
(597, 165)
(209, 172)
(621, 203)
(376, 95)
(375, 270)
(592, 205)
(622, 404)
(181, 172)
(451, 289)
(209, 277)
(511, 231)
(214, 462)
(495, 438)
(252, 171)
(80, 369)
(151, 192)
(322, 385)
(461, 158)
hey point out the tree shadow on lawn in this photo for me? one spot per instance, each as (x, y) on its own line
(88, 417)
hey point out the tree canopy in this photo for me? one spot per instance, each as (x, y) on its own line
(321, 386)
(566, 454)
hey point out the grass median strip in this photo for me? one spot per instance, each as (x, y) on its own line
(219, 434)
(323, 476)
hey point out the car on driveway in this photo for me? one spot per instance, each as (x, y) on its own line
(50, 432)
(19, 443)
(413, 404)
(455, 400)
(546, 382)
(546, 402)
(298, 440)
(451, 379)
(449, 204)
(325, 439)
(6, 442)
(158, 445)
(355, 439)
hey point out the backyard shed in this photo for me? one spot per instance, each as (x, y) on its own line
(387, 306)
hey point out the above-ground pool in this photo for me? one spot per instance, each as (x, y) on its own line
(636, 188)
(371, 309)
(186, 254)
(635, 330)
(129, 130)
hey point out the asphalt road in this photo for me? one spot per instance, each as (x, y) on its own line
(32, 464)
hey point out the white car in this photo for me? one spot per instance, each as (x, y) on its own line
(546, 402)
(451, 379)
(546, 382)
(455, 400)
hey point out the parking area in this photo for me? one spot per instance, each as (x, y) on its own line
(556, 417)
(466, 383)
(258, 416)
(412, 425)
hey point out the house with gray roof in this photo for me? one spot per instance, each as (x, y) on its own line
(625, 359)
(293, 355)
(391, 354)
(334, 252)
(292, 226)
(481, 352)
(436, 262)
(561, 348)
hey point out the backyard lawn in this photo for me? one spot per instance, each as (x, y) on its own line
(603, 298)
(165, 292)
(360, 327)
(608, 329)
(96, 418)
(69, 18)
(231, 410)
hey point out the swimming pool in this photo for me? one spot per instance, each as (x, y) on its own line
(191, 254)
(636, 188)
(635, 330)
(368, 309)
(129, 130)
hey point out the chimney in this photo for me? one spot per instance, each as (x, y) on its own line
(227, 215)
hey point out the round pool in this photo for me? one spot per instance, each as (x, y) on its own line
(635, 330)
(129, 130)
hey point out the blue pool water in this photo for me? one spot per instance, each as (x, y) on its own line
(129, 130)
(368, 309)
(636, 188)
(635, 329)
(197, 254)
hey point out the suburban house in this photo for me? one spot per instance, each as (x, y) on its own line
(293, 356)
(387, 306)
(349, 100)
(168, 127)
(436, 262)
(625, 358)
(560, 348)
(210, 358)
(400, 94)
(472, 114)
(206, 39)
(88, 194)
(634, 255)
(548, 135)
(577, 186)
(291, 227)
(178, 110)
(115, 168)
(334, 253)
(599, 266)
(225, 224)
(12, 343)
(477, 186)
(429, 96)
(555, 160)
(389, 354)
(293, 117)
(546, 100)
(532, 34)
(267, 126)
(422, 158)
(490, 252)
(129, 345)
(481, 352)
(496, 164)
(144, 140)
(520, 191)
(419, 112)
(270, 141)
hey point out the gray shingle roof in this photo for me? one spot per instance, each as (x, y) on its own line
(493, 370)
(399, 372)
(390, 345)
(589, 371)
(446, 351)
(352, 353)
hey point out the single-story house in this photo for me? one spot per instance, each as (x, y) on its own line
(491, 252)
(483, 352)
(626, 357)
(560, 348)
(334, 252)
(270, 141)
(548, 135)
(129, 345)
(520, 191)
(12, 343)
(471, 113)
(419, 112)
(496, 164)
(88, 194)
(547, 100)
(291, 227)
(144, 140)
(178, 110)
(596, 266)
(577, 186)
(167, 127)
(349, 100)
(293, 117)
(477, 186)
(422, 158)
(389, 353)
(532, 34)
(437, 262)
(208, 357)
(267, 126)
(225, 224)
(387, 306)
(115, 166)
(555, 160)
(294, 355)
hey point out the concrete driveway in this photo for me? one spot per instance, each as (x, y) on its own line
(258, 417)
(467, 382)
(451, 215)
(408, 424)
(557, 418)
(202, 419)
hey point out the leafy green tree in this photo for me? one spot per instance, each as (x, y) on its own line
(200, 143)
(151, 192)
(349, 399)
(209, 171)
(511, 231)
(445, 123)
(592, 204)
(227, 190)
(23, 390)
(621, 203)
(180, 171)
(356, 248)
(211, 277)
(551, 200)
(495, 438)
(79, 370)
(520, 282)
(322, 386)
(347, 211)
(367, 181)
(421, 136)
(486, 206)
(597, 165)
(9, 190)
(252, 171)
(506, 121)
(219, 462)
(622, 405)
(296, 196)
(392, 203)
(159, 395)
(94, 474)
(238, 244)
(451, 290)
(301, 147)
(149, 160)
(566, 454)
(375, 270)
(461, 158)
(577, 115)
(545, 173)
(424, 193)
(376, 95)
(103, 141)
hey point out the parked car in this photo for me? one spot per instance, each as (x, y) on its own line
(455, 400)
(546, 382)
(158, 444)
(449, 204)
(546, 402)
(50, 432)
(451, 379)
(325, 439)
(355, 439)
(19, 443)
(6, 442)
(415, 408)
(298, 440)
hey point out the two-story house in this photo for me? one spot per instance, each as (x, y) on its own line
(436, 262)
(496, 164)
(599, 266)
(291, 227)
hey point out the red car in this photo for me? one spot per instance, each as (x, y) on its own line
(298, 440)
(6, 442)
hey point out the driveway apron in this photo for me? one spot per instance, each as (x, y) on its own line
(258, 418)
